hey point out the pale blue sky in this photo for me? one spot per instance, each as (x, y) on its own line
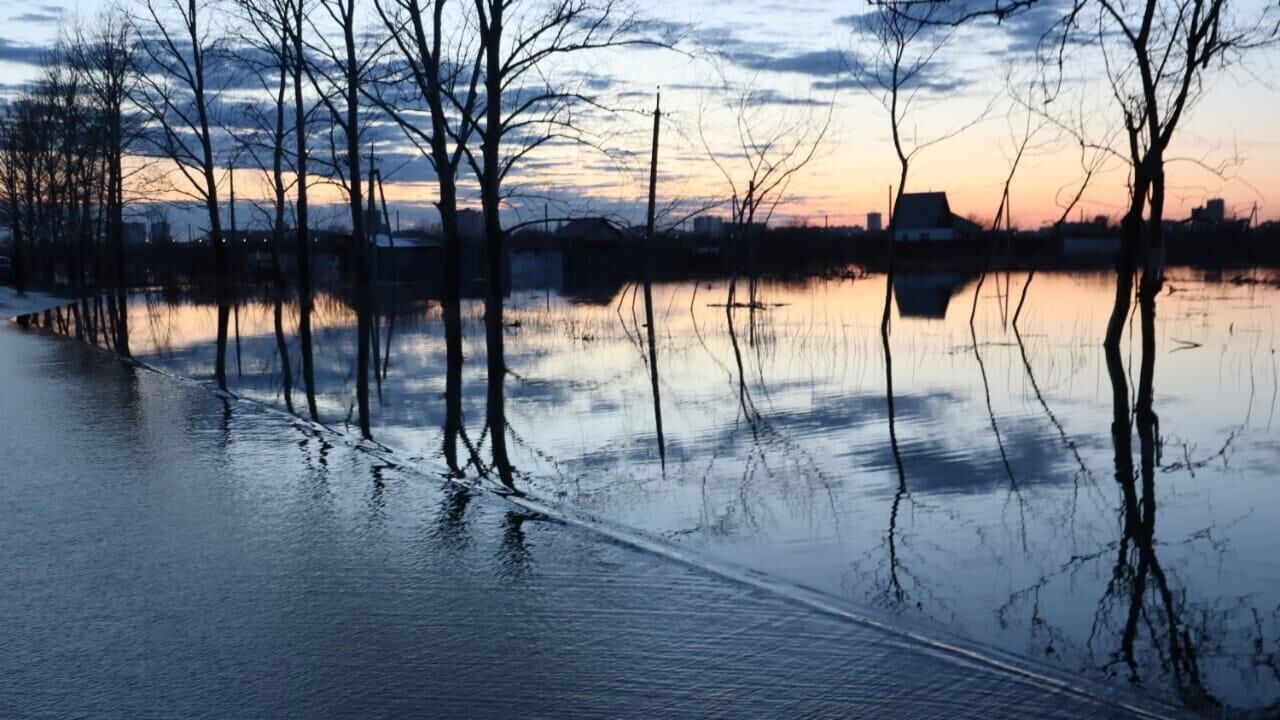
(791, 50)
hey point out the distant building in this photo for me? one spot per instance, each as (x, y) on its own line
(708, 226)
(135, 233)
(590, 232)
(160, 234)
(375, 222)
(1086, 238)
(408, 254)
(927, 217)
(875, 222)
(1214, 211)
(470, 224)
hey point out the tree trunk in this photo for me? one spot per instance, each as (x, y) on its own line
(490, 196)
(303, 240)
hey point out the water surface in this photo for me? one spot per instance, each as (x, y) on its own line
(998, 505)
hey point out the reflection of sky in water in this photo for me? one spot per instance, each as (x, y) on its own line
(802, 483)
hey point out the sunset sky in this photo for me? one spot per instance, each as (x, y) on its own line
(796, 55)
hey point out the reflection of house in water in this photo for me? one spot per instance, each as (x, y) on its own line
(408, 254)
(595, 284)
(926, 295)
(537, 270)
(597, 256)
(927, 217)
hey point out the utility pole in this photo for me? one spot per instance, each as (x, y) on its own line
(648, 292)
(236, 306)
(890, 205)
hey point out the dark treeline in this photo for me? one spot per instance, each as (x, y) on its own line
(174, 99)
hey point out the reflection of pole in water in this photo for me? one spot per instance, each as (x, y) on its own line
(653, 374)
(902, 491)
(363, 340)
(235, 308)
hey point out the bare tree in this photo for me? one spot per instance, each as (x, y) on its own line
(105, 59)
(175, 94)
(1156, 55)
(441, 64)
(521, 110)
(19, 149)
(1094, 156)
(296, 30)
(907, 40)
(337, 74)
(1023, 145)
(270, 61)
(775, 141)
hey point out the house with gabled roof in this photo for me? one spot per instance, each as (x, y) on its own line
(927, 217)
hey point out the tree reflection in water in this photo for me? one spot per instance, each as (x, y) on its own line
(1138, 578)
(1090, 581)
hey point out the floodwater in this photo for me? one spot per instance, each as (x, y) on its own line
(172, 554)
(1003, 484)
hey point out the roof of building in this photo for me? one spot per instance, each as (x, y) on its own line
(965, 226)
(922, 211)
(590, 229)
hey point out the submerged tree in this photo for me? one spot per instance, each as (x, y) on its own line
(775, 141)
(295, 28)
(105, 59)
(265, 139)
(1157, 54)
(522, 109)
(437, 70)
(899, 75)
(182, 104)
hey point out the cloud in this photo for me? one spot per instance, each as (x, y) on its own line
(774, 97)
(817, 63)
(37, 17)
(930, 79)
(21, 53)
(1038, 27)
(1022, 32)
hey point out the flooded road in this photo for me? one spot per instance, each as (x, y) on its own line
(171, 554)
(997, 483)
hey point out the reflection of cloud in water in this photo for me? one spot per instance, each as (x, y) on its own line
(804, 489)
